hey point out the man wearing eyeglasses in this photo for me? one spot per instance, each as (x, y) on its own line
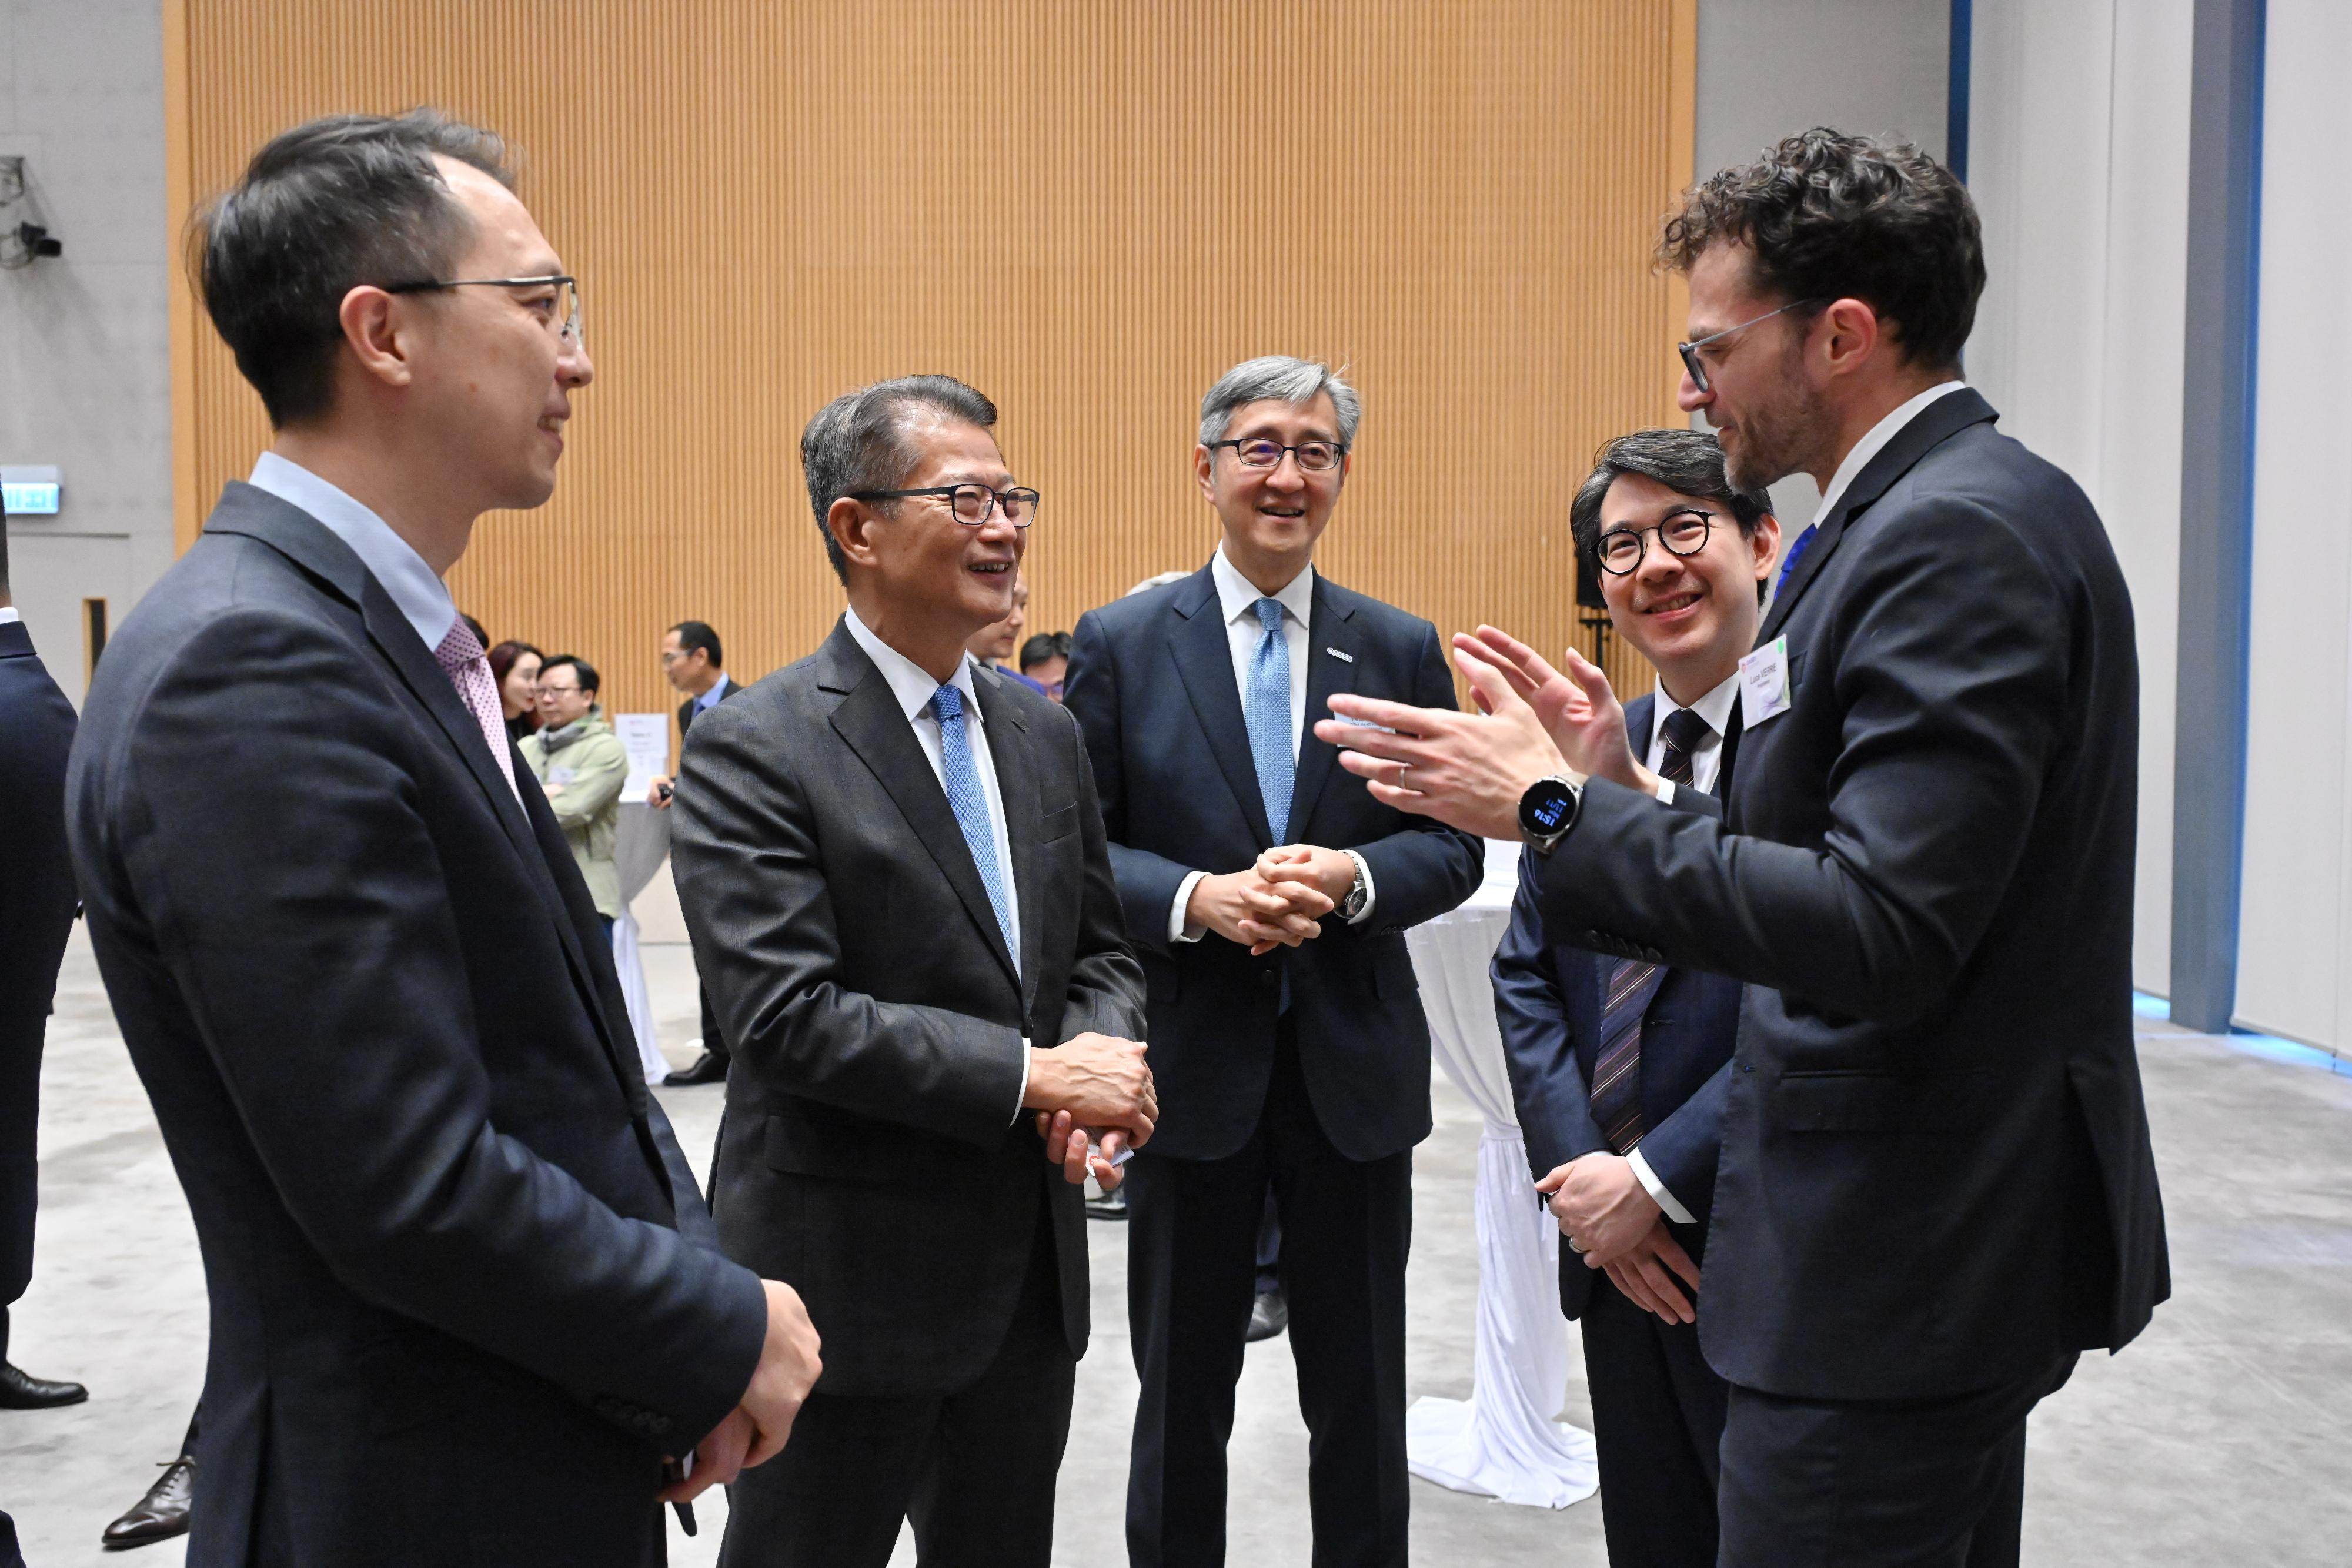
(1268, 895)
(1617, 1064)
(893, 868)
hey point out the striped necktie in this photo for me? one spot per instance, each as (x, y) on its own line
(1616, 1097)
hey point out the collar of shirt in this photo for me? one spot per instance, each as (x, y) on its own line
(910, 681)
(1715, 707)
(1236, 593)
(422, 598)
(8, 614)
(710, 699)
(1875, 442)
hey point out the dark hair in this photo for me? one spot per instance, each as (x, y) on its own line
(1045, 645)
(859, 441)
(1687, 462)
(323, 208)
(1830, 216)
(584, 672)
(693, 634)
(503, 658)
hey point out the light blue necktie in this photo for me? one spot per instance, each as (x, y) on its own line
(1267, 713)
(971, 807)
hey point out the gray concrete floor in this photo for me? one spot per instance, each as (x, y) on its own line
(2213, 1440)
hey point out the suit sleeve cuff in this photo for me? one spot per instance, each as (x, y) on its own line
(1177, 930)
(1372, 893)
(1656, 1188)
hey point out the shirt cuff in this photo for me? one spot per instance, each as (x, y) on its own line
(1657, 1189)
(1372, 893)
(1019, 1108)
(1666, 797)
(1177, 930)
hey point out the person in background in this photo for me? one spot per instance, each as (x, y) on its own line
(1045, 659)
(690, 663)
(581, 765)
(1617, 1066)
(995, 646)
(515, 667)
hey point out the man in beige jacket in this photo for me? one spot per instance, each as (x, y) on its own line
(581, 765)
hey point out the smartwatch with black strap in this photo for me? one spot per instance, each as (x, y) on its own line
(1547, 811)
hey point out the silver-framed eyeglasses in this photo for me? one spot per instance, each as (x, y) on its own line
(554, 299)
(1689, 352)
(972, 504)
(1683, 533)
(1314, 457)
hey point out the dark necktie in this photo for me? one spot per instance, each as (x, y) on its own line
(1616, 1095)
(1789, 563)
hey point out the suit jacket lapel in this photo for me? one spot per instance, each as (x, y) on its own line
(1016, 785)
(1947, 415)
(1328, 629)
(870, 721)
(1731, 734)
(1205, 660)
(1639, 714)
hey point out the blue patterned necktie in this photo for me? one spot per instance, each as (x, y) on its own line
(970, 805)
(1267, 713)
(1796, 553)
(1616, 1097)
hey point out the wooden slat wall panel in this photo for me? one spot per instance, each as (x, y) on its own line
(1087, 210)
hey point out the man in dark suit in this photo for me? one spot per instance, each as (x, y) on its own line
(1617, 1065)
(691, 661)
(37, 913)
(892, 865)
(457, 1313)
(1935, 1188)
(1285, 1064)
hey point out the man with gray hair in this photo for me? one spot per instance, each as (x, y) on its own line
(1268, 893)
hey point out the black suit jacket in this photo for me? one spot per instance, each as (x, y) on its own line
(729, 690)
(1151, 681)
(1936, 1169)
(1548, 998)
(871, 1152)
(36, 911)
(453, 1317)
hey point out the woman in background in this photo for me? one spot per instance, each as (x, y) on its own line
(515, 667)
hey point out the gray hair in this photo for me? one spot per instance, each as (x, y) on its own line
(863, 441)
(1280, 377)
(1687, 462)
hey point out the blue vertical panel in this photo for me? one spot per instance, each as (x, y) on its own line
(1956, 90)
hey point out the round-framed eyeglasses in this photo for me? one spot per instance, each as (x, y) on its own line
(972, 504)
(1314, 457)
(1683, 533)
(554, 299)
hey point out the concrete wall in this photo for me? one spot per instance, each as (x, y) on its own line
(85, 363)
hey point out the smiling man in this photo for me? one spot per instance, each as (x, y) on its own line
(1618, 1065)
(893, 869)
(1268, 895)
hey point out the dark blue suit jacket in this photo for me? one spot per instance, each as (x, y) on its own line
(1547, 1000)
(1151, 682)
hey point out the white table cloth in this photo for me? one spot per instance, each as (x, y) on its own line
(640, 845)
(1504, 1441)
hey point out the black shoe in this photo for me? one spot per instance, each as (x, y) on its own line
(162, 1514)
(21, 1391)
(1108, 1205)
(710, 1069)
(1269, 1315)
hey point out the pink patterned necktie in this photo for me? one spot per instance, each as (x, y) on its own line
(461, 658)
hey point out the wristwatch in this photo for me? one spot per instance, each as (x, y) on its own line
(1353, 904)
(1547, 811)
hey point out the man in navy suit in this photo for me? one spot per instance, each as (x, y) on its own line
(1268, 895)
(1617, 1064)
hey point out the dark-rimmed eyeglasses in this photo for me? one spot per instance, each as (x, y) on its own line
(972, 504)
(559, 310)
(1683, 533)
(1689, 352)
(1314, 457)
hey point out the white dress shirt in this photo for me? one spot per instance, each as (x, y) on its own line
(415, 588)
(8, 614)
(1237, 598)
(1875, 440)
(913, 685)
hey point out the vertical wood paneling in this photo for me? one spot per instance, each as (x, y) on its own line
(1087, 210)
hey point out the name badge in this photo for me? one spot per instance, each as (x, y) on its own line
(561, 775)
(1764, 683)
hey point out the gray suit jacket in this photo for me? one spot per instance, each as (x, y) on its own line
(871, 1154)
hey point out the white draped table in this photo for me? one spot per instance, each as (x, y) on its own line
(640, 845)
(1504, 1441)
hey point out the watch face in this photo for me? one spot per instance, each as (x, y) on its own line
(1548, 807)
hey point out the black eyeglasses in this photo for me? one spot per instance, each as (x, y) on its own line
(1314, 457)
(1682, 533)
(972, 504)
(1689, 352)
(559, 311)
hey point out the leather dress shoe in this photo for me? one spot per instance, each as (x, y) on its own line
(20, 1390)
(1269, 1315)
(162, 1514)
(709, 1068)
(1108, 1205)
